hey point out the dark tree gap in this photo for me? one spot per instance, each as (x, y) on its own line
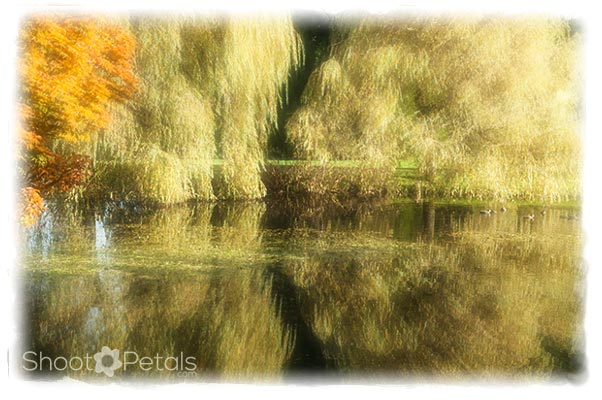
(307, 355)
(315, 31)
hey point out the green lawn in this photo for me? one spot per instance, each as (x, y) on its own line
(404, 164)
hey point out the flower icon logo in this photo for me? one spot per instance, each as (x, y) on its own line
(107, 361)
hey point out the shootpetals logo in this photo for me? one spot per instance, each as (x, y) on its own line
(108, 360)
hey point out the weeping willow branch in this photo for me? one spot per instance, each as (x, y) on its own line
(209, 88)
(255, 66)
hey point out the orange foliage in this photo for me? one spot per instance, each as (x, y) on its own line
(32, 206)
(70, 69)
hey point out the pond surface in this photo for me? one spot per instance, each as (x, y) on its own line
(246, 291)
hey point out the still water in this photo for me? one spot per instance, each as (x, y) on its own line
(269, 291)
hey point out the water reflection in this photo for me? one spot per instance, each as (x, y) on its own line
(228, 323)
(264, 290)
(487, 307)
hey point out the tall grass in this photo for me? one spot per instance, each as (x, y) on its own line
(486, 106)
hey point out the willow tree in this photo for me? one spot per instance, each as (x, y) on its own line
(161, 145)
(487, 107)
(209, 88)
(254, 68)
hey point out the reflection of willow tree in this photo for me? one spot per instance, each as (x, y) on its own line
(199, 236)
(214, 318)
(486, 307)
(239, 225)
(205, 234)
(68, 315)
(213, 315)
(470, 299)
(485, 106)
(209, 88)
(63, 228)
(169, 234)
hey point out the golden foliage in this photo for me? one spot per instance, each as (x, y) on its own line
(255, 66)
(70, 69)
(486, 106)
(32, 206)
(210, 88)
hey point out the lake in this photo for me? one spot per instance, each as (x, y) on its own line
(276, 290)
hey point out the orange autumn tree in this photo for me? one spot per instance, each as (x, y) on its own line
(70, 69)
